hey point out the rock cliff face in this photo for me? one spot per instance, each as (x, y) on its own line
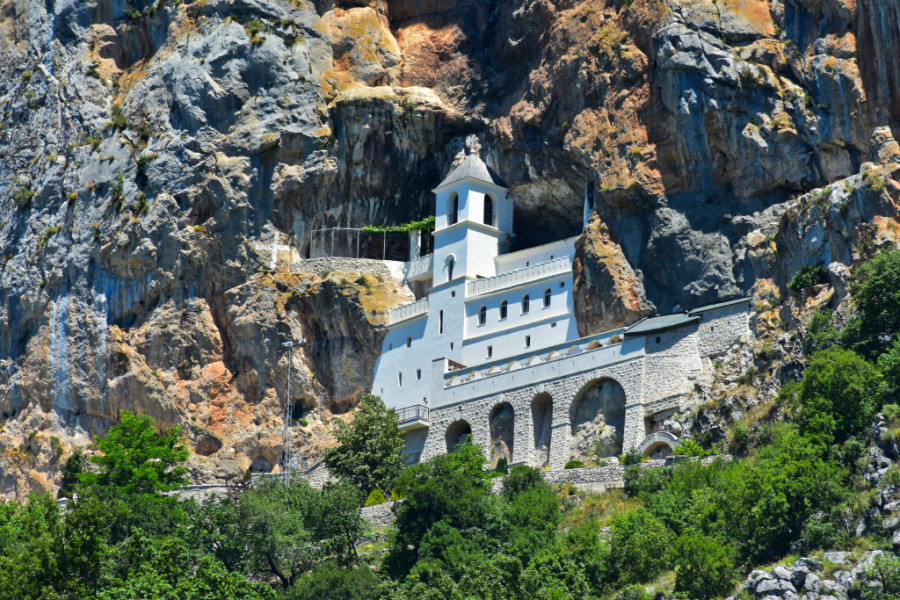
(163, 163)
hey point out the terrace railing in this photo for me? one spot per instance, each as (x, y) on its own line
(417, 412)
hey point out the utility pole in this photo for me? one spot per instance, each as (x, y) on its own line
(287, 436)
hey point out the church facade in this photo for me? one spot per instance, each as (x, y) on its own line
(490, 348)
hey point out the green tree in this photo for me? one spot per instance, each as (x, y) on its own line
(821, 333)
(875, 290)
(885, 571)
(327, 582)
(889, 365)
(638, 545)
(370, 450)
(336, 522)
(839, 396)
(272, 527)
(166, 567)
(137, 459)
(450, 488)
(704, 566)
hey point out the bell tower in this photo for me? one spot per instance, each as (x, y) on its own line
(473, 217)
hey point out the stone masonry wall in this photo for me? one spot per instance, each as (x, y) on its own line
(669, 364)
(665, 370)
(563, 392)
(341, 265)
(721, 328)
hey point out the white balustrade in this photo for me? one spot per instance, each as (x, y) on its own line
(408, 311)
(523, 275)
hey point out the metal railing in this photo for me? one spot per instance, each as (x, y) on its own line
(408, 311)
(417, 412)
(532, 273)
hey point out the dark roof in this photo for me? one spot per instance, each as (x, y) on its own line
(726, 304)
(472, 166)
(653, 324)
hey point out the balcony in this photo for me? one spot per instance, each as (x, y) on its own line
(413, 417)
(419, 268)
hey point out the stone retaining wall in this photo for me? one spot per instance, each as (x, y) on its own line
(341, 265)
(380, 516)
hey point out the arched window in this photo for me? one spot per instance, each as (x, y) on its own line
(547, 294)
(503, 310)
(453, 212)
(449, 269)
(489, 211)
(526, 301)
(482, 315)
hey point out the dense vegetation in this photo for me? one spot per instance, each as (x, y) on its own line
(693, 529)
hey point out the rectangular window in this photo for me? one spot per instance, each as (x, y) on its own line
(399, 379)
(409, 342)
(490, 351)
(528, 341)
(441, 322)
(418, 373)
(658, 339)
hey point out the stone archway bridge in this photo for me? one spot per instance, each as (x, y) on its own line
(643, 372)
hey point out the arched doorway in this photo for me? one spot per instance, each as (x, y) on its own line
(597, 418)
(501, 422)
(457, 434)
(658, 445)
(542, 419)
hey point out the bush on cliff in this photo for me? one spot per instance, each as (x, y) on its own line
(839, 395)
(875, 290)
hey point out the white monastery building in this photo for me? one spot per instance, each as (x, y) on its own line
(491, 349)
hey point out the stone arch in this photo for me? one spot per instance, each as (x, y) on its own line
(658, 445)
(542, 421)
(597, 419)
(457, 433)
(502, 427)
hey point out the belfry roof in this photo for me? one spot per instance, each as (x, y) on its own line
(472, 167)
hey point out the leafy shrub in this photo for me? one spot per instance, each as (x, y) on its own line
(820, 533)
(632, 457)
(634, 592)
(521, 479)
(690, 448)
(328, 581)
(704, 566)
(23, 196)
(807, 277)
(885, 571)
(616, 339)
(821, 334)
(638, 547)
(740, 440)
(875, 290)
(748, 376)
(376, 497)
(839, 396)
(574, 464)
